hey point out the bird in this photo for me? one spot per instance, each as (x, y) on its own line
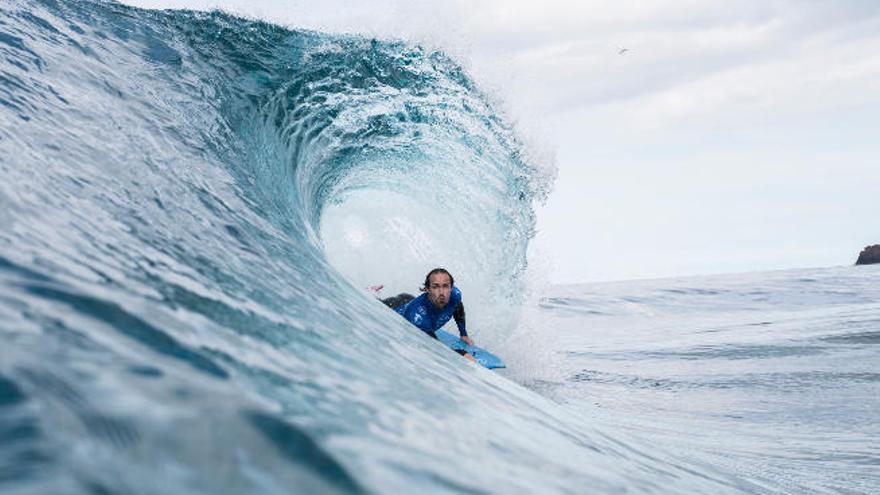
(621, 50)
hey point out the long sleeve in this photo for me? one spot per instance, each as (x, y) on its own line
(458, 314)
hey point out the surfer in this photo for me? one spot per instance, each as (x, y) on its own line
(439, 302)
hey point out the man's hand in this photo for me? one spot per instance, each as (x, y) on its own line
(467, 340)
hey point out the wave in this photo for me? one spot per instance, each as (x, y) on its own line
(190, 201)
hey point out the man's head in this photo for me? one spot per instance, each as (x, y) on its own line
(438, 285)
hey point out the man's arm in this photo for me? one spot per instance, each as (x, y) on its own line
(458, 314)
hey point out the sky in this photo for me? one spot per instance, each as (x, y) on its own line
(727, 137)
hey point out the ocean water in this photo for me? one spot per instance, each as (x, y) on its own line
(190, 207)
(773, 377)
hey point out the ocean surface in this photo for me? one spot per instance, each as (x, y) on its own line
(191, 205)
(770, 377)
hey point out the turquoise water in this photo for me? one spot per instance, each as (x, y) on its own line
(191, 206)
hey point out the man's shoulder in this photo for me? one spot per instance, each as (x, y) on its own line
(419, 301)
(456, 294)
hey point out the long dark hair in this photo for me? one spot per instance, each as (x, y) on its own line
(435, 271)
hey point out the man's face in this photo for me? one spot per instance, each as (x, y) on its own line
(439, 289)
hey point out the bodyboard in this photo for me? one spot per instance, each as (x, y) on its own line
(482, 356)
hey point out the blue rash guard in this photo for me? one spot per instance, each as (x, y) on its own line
(422, 313)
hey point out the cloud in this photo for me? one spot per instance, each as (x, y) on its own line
(686, 63)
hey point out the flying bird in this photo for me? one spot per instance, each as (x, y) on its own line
(622, 50)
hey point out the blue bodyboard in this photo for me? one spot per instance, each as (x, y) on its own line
(482, 356)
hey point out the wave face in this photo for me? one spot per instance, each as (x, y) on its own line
(180, 195)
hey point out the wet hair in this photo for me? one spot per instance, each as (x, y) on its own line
(435, 271)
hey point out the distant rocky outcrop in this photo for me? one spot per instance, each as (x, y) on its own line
(869, 255)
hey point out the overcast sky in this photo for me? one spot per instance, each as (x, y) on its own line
(729, 136)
